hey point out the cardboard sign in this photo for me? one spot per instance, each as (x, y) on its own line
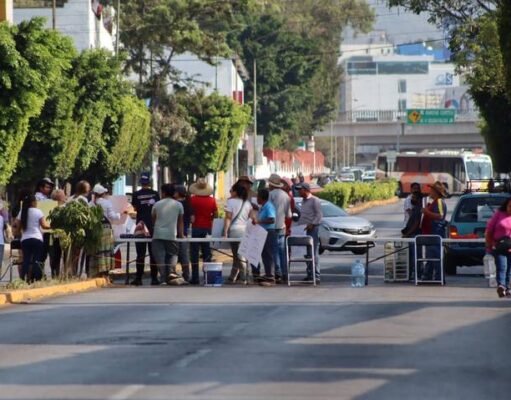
(46, 206)
(252, 243)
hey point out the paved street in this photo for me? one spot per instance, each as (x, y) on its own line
(385, 341)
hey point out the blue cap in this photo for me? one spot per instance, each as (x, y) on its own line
(145, 178)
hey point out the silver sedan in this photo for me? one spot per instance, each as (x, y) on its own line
(340, 231)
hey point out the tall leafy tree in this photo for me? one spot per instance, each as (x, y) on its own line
(32, 61)
(154, 31)
(296, 47)
(211, 129)
(113, 126)
(325, 21)
(285, 62)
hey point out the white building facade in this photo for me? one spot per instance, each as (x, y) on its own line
(77, 19)
(394, 82)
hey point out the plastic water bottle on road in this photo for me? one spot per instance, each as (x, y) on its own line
(358, 274)
(490, 270)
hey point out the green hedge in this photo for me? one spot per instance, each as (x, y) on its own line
(344, 194)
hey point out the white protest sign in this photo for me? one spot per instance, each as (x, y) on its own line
(252, 243)
(119, 205)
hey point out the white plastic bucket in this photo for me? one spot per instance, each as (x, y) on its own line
(213, 274)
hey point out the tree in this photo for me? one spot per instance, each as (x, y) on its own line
(296, 47)
(114, 129)
(325, 21)
(33, 60)
(62, 113)
(212, 130)
(480, 42)
(285, 64)
(155, 31)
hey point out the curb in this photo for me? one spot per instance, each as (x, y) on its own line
(22, 296)
(375, 203)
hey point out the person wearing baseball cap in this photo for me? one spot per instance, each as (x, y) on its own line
(280, 200)
(310, 216)
(433, 223)
(143, 201)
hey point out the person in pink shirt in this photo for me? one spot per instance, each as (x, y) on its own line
(498, 227)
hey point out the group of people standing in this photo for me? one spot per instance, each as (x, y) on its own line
(173, 215)
(36, 240)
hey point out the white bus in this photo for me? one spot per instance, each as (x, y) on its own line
(456, 169)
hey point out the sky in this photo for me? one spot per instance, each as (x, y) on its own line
(401, 26)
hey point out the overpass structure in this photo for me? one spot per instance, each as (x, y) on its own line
(388, 129)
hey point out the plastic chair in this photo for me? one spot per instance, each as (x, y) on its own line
(300, 241)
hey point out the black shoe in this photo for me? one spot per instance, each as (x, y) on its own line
(194, 282)
(266, 281)
(155, 282)
(309, 279)
(136, 282)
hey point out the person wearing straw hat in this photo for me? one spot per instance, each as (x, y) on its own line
(433, 223)
(204, 210)
(282, 204)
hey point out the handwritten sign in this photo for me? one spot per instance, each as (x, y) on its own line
(252, 243)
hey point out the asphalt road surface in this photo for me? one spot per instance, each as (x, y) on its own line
(384, 341)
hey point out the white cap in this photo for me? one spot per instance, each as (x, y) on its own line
(99, 189)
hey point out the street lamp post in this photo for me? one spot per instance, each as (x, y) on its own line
(255, 116)
(401, 132)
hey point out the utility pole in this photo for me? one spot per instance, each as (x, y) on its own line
(332, 146)
(255, 113)
(54, 14)
(118, 27)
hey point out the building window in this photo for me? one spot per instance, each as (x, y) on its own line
(401, 86)
(401, 105)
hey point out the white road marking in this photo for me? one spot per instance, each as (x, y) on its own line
(184, 362)
(126, 392)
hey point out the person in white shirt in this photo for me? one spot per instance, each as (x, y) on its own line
(415, 188)
(238, 212)
(30, 221)
(103, 261)
(43, 189)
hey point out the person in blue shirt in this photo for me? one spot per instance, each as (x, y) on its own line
(266, 219)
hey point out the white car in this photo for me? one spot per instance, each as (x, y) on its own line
(369, 176)
(338, 228)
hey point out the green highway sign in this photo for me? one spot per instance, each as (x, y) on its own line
(430, 116)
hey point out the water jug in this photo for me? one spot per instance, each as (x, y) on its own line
(490, 270)
(358, 275)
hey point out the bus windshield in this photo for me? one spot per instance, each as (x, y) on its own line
(479, 169)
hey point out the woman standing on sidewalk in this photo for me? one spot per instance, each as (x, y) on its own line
(238, 211)
(498, 232)
(103, 261)
(30, 221)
